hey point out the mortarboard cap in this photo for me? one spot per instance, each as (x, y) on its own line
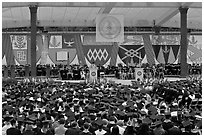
(32, 117)
(99, 122)
(12, 96)
(186, 123)
(29, 122)
(7, 117)
(21, 119)
(168, 113)
(143, 113)
(152, 109)
(119, 112)
(160, 117)
(46, 121)
(186, 115)
(153, 116)
(199, 124)
(146, 120)
(9, 108)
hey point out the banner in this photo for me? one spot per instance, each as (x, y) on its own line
(55, 41)
(131, 54)
(100, 55)
(19, 41)
(166, 53)
(109, 28)
(93, 73)
(139, 74)
(68, 45)
(19, 45)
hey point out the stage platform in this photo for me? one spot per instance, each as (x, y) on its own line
(118, 81)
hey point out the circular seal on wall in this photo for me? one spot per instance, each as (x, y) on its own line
(109, 27)
(139, 73)
(93, 74)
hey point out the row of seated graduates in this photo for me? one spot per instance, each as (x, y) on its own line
(56, 70)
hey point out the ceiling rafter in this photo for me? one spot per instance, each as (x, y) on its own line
(170, 14)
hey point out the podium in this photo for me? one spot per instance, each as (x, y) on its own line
(93, 73)
(139, 72)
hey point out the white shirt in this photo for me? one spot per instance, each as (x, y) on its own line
(4, 128)
(102, 132)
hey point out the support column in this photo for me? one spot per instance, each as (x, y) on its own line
(27, 71)
(33, 12)
(184, 42)
(12, 71)
(5, 72)
(48, 71)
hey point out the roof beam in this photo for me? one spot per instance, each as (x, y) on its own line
(170, 14)
(107, 9)
(99, 4)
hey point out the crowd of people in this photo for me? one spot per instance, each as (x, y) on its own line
(145, 108)
(77, 72)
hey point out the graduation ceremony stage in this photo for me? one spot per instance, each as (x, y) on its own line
(118, 81)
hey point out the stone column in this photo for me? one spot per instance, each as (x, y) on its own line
(5, 72)
(184, 42)
(33, 20)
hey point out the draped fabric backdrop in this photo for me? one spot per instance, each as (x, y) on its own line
(83, 49)
(7, 49)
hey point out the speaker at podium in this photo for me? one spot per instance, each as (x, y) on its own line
(139, 72)
(93, 73)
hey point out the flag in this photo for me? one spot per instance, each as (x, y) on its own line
(134, 53)
(139, 73)
(55, 41)
(100, 55)
(19, 45)
(171, 56)
(196, 53)
(160, 57)
(109, 28)
(166, 51)
(68, 45)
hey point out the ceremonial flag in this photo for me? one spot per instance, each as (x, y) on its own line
(98, 54)
(19, 45)
(131, 53)
(109, 28)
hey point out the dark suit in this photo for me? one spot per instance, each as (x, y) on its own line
(174, 131)
(13, 131)
(73, 131)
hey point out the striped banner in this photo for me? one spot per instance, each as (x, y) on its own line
(148, 49)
